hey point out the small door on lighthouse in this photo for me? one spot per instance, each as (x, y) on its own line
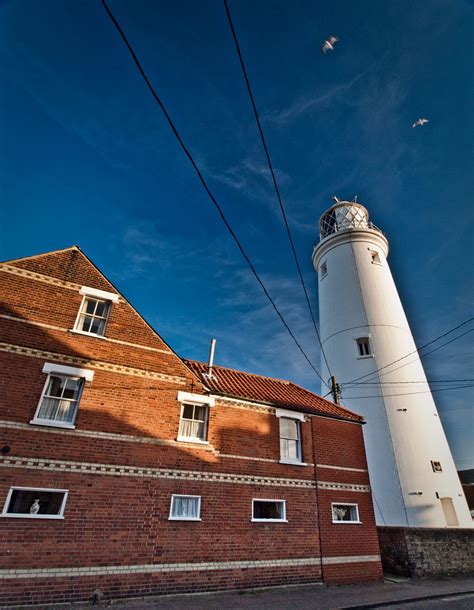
(449, 512)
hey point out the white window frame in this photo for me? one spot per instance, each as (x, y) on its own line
(197, 400)
(50, 368)
(345, 504)
(60, 515)
(101, 295)
(285, 414)
(366, 338)
(283, 502)
(173, 518)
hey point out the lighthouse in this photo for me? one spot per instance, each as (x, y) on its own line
(370, 350)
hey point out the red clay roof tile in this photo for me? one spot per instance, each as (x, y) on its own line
(277, 392)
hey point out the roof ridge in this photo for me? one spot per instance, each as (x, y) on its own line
(228, 368)
(25, 258)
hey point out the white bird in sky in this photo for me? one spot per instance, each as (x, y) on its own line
(328, 44)
(420, 122)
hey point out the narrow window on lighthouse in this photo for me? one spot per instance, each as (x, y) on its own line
(363, 346)
(375, 257)
(324, 269)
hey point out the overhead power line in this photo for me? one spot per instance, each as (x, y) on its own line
(430, 352)
(365, 383)
(458, 387)
(205, 186)
(274, 180)
(417, 350)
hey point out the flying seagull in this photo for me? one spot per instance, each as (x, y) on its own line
(420, 122)
(328, 44)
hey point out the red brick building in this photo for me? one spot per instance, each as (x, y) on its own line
(126, 471)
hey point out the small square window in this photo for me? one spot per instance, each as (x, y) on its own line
(193, 423)
(93, 316)
(60, 399)
(185, 508)
(323, 269)
(290, 440)
(268, 510)
(345, 513)
(363, 346)
(436, 466)
(375, 257)
(28, 502)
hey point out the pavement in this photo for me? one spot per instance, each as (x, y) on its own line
(455, 592)
(393, 592)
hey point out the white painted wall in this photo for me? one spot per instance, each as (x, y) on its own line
(359, 298)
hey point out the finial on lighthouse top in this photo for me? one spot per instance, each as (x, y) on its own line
(344, 215)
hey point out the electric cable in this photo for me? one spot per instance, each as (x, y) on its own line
(274, 180)
(409, 382)
(458, 387)
(417, 350)
(204, 184)
(430, 352)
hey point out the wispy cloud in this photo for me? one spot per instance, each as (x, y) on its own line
(310, 102)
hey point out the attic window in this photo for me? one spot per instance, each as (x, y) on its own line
(94, 311)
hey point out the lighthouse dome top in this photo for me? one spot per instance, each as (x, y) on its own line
(343, 216)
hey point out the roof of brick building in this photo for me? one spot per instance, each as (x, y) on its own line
(266, 390)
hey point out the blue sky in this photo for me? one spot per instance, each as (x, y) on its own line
(86, 158)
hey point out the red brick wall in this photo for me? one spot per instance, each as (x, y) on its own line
(113, 520)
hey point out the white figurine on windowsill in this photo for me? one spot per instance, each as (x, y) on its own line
(34, 508)
(339, 513)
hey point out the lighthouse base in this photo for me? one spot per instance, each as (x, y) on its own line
(416, 552)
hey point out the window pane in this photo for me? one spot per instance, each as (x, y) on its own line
(66, 411)
(267, 510)
(35, 502)
(101, 308)
(185, 428)
(200, 413)
(185, 508)
(293, 452)
(55, 386)
(198, 429)
(85, 323)
(90, 306)
(71, 388)
(96, 326)
(188, 411)
(48, 408)
(288, 428)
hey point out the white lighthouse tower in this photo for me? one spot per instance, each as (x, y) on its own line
(363, 329)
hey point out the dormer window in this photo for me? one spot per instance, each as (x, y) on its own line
(94, 311)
